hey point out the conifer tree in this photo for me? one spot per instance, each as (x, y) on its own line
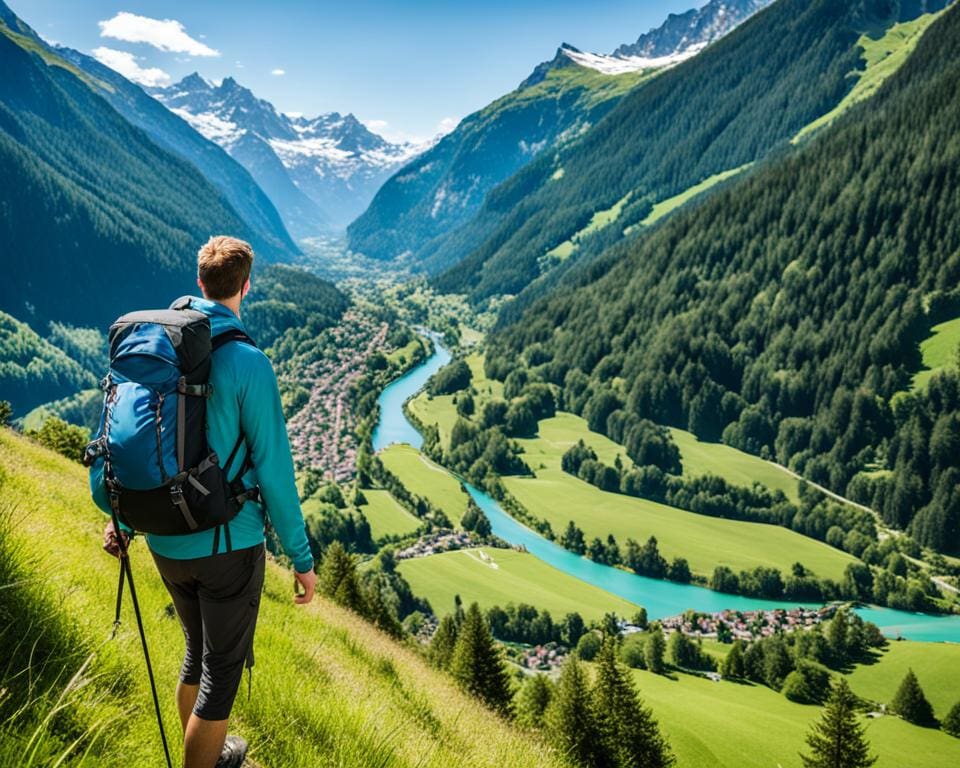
(338, 578)
(570, 721)
(911, 703)
(442, 643)
(532, 700)
(951, 723)
(477, 664)
(628, 731)
(656, 646)
(837, 739)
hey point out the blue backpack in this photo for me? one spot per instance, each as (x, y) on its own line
(160, 474)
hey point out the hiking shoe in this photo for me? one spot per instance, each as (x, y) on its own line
(233, 753)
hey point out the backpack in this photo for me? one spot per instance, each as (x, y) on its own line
(158, 469)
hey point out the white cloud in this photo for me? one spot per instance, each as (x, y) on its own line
(239, 64)
(126, 64)
(447, 124)
(376, 125)
(294, 115)
(278, 72)
(165, 34)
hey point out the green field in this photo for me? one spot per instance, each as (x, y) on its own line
(328, 688)
(424, 478)
(713, 724)
(386, 516)
(883, 53)
(937, 666)
(734, 466)
(506, 576)
(705, 541)
(664, 207)
(938, 350)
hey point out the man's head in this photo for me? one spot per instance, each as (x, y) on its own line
(223, 268)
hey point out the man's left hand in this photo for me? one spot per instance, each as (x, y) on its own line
(110, 544)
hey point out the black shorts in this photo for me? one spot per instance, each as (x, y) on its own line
(217, 599)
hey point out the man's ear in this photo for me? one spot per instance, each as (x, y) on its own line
(203, 291)
(246, 289)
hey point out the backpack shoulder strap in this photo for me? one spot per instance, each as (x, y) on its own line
(234, 334)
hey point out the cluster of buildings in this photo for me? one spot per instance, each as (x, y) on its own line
(538, 658)
(746, 625)
(439, 541)
(323, 432)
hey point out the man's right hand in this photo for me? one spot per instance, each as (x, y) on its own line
(308, 581)
(110, 543)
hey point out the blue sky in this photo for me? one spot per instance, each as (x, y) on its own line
(405, 68)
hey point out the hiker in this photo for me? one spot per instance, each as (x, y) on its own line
(214, 574)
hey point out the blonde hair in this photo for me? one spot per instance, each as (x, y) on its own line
(223, 266)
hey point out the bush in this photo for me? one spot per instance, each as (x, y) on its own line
(589, 646)
(66, 439)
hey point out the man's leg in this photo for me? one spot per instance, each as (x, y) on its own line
(186, 700)
(229, 591)
(202, 742)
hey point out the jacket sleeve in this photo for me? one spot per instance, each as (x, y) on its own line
(261, 416)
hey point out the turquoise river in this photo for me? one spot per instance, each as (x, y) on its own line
(660, 598)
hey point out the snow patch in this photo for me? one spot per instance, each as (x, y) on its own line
(618, 65)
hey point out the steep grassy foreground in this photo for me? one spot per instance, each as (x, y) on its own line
(328, 689)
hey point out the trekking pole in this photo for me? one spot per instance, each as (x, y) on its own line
(125, 570)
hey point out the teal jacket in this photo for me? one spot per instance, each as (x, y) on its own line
(245, 394)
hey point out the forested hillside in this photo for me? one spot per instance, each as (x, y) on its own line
(784, 315)
(446, 185)
(96, 217)
(733, 104)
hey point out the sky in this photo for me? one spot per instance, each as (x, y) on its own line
(408, 69)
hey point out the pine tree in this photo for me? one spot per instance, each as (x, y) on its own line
(442, 643)
(838, 740)
(654, 651)
(533, 699)
(628, 731)
(338, 578)
(911, 703)
(477, 665)
(570, 722)
(951, 723)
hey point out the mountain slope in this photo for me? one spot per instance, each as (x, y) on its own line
(731, 105)
(320, 172)
(174, 134)
(327, 688)
(96, 217)
(415, 211)
(785, 313)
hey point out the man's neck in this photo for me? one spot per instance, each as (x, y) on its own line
(233, 304)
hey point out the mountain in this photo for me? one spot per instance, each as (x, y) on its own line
(320, 172)
(174, 134)
(424, 202)
(708, 118)
(784, 314)
(96, 217)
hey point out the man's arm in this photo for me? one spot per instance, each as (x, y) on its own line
(261, 417)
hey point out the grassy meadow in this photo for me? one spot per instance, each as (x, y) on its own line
(705, 541)
(938, 350)
(499, 576)
(427, 479)
(743, 725)
(328, 688)
(386, 516)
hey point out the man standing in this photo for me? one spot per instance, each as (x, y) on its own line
(215, 576)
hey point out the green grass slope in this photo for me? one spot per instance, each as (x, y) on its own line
(731, 725)
(500, 576)
(424, 478)
(328, 689)
(385, 515)
(939, 350)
